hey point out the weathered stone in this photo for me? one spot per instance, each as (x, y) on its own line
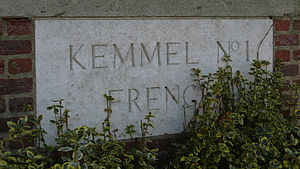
(148, 8)
(144, 64)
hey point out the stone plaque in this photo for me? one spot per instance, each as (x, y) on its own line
(144, 64)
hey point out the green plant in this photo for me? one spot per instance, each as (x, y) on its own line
(239, 123)
(27, 130)
(143, 156)
(82, 147)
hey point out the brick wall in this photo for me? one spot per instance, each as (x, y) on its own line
(16, 69)
(17, 64)
(287, 46)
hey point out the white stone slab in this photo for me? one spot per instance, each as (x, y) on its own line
(80, 60)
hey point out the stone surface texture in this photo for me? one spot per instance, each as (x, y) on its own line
(84, 59)
(102, 8)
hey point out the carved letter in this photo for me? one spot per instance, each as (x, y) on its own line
(117, 52)
(235, 46)
(169, 53)
(172, 95)
(130, 100)
(72, 57)
(147, 55)
(184, 92)
(220, 46)
(149, 99)
(94, 56)
(187, 54)
(110, 93)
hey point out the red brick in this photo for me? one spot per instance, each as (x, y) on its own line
(3, 123)
(286, 86)
(2, 106)
(17, 105)
(1, 66)
(282, 25)
(287, 40)
(14, 47)
(18, 26)
(15, 86)
(296, 25)
(290, 70)
(284, 55)
(296, 54)
(0, 26)
(19, 65)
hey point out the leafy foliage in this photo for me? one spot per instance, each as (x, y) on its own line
(82, 147)
(26, 130)
(239, 123)
(144, 157)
